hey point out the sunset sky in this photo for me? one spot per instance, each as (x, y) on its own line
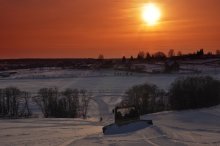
(86, 28)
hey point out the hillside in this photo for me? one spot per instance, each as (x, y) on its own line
(192, 127)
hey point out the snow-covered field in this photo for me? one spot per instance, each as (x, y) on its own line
(94, 80)
(193, 127)
(97, 81)
(198, 127)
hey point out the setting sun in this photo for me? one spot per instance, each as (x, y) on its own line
(151, 14)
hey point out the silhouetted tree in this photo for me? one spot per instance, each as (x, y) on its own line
(12, 95)
(131, 58)
(171, 53)
(71, 102)
(159, 56)
(85, 98)
(200, 52)
(141, 55)
(209, 53)
(58, 104)
(179, 53)
(194, 92)
(217, 52)
(124, 59)
(146, 97)
(14, 103)
(101, 57)
(148, 56)
(25, 110)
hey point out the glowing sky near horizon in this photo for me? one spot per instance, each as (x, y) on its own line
(86, 28)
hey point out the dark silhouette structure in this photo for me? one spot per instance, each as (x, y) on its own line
(125, 114)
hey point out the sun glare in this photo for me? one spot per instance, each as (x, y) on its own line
(151, 14)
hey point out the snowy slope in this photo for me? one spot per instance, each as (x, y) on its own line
(45, 132)
(192, 127)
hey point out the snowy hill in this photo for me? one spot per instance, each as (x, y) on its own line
(192, 127)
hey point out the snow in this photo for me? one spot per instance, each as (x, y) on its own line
(45, 132)
(103, 83)
(192, 127)
(107, 89)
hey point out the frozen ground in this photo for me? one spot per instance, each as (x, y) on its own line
(45, 132)
(199, 127)
(93, 80)
(193, 127)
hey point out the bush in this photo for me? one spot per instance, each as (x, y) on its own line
(70, 102)
(14, 103)
(47, 100)
(194, 92)
(149, 98)
(67, 104)
(85, 98)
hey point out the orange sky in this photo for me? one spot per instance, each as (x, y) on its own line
(86, 28)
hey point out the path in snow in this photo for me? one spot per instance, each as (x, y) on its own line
(193, 127)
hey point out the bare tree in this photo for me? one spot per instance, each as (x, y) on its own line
(58, 104)
(131, 59)
(141, 55)
(85, 100)
(71, 97)
(159, 55)
(124, 59)
(101, 57)
(171, 53)
(12, 101)
(26, 112)
(147, 97)
(217, 52)
(148, 56)
(179, 53)
(47, 101)
(2, 103)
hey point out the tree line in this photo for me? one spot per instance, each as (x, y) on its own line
(171, 54)
(70, 103)
(14, 103)
(184, 93)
